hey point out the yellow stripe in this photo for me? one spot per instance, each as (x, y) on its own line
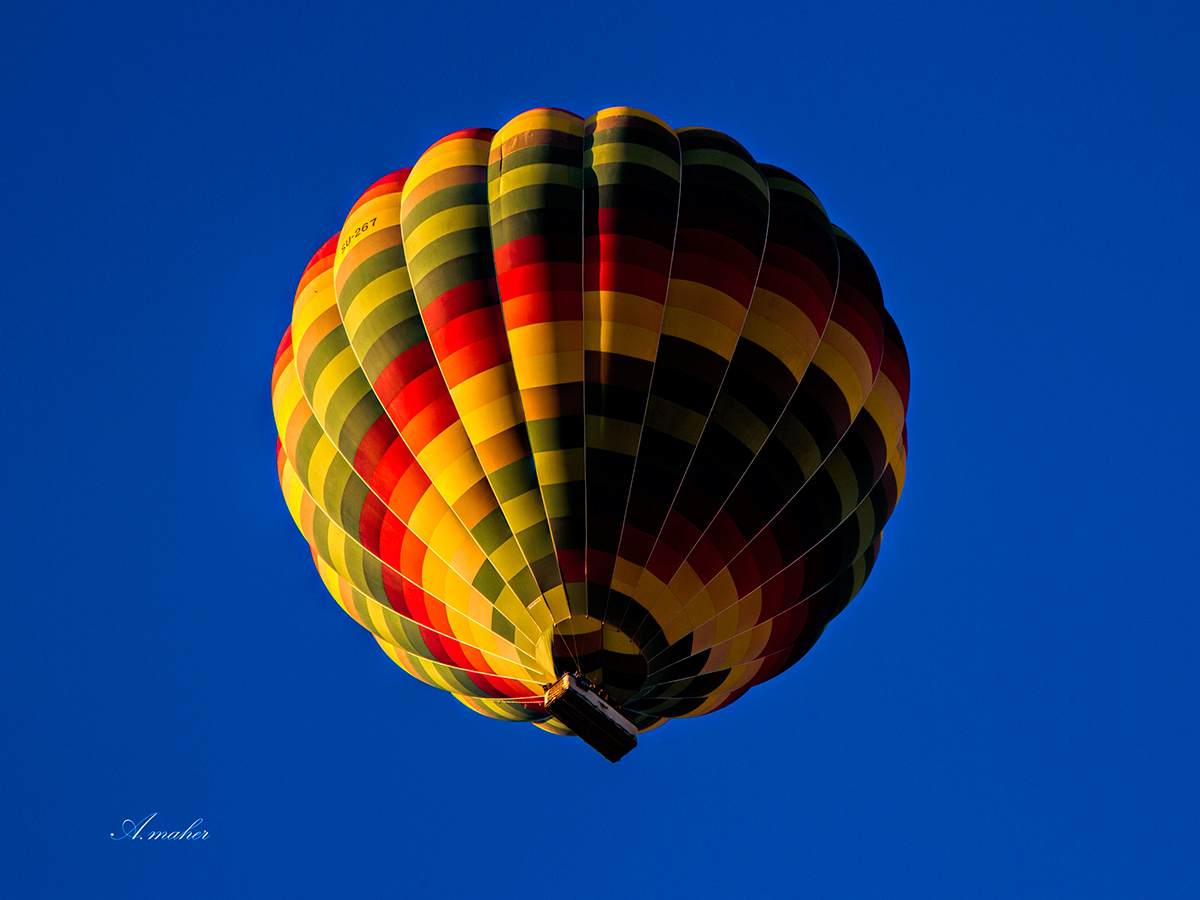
(704, 156)
(444, 224)
(341, 369)
(285, 398)
(846, 345)
(559, 466)
(702, 329)
(311, 303)
(561, 339)
(373, 295)
(844, 375)
(524, 511)
(463, 470)
(543, 119)
(603, 153)
(625, 112)
(323, 455)
(885, 393)
(879, 410)
(612, 434)
(488, 420)
(461, 151)
(532, 175)
(782, 330)
(508, 559)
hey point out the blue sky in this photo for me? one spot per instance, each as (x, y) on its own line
(1007, 709)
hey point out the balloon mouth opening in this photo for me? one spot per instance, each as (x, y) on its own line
(599, 651)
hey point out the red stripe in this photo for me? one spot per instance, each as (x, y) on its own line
(322, 261)
(539, 249)
(397, 592)
(458, 301)
(374, 444)
(479, 356)
(391, 469)
(392, 183)
(466, 329)
(572, 564)
(425, 424)
(470, 134)
(370, 522)
(403, 370)
(536, 308)
(541, 277)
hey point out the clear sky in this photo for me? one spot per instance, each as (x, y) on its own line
(1007, 709)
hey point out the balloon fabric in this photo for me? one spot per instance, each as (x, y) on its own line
(591, 396)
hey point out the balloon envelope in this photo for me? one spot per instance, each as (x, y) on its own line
(593, 396)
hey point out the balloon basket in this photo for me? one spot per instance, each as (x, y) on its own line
(574, 701)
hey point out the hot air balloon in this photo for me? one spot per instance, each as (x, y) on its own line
(591, 423)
